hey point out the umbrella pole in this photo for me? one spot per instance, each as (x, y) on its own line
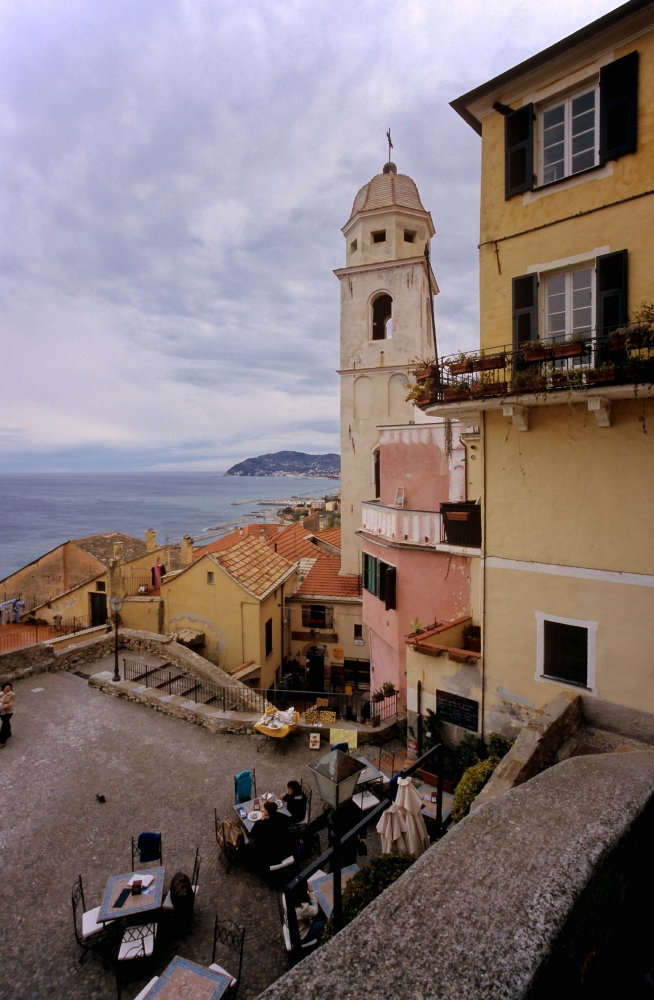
(336, 877)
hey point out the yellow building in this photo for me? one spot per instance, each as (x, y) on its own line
(235, 596)
(559, 400)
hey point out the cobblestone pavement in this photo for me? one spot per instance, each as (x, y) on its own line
(70, 743)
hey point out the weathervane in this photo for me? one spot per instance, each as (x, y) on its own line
(390, 144)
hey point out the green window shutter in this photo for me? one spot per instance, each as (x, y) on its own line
(519, 151)
(612, 277)
(619, 107)
(525, 309)
(390, 587)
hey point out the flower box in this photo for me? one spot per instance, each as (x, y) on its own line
(537, 353)
(488, 388)
(452, 392)
(460, 367)
(599, 376)
(568, 349)
(529, 383)
(489, 362)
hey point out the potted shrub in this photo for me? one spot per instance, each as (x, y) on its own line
(388, 689)
(486, 385)
(566, 378)
(377, 696)
(424, 392)
(641, 334)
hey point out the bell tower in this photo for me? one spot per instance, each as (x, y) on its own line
(387, 290)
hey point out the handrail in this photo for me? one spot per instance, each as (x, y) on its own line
(370, 816)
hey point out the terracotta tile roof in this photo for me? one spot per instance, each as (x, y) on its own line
(294, 542)
(332, 536)
(323, 580)
(265, 531)
(253, 564)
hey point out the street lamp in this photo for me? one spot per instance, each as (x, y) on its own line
(116, 605)
(336, 775)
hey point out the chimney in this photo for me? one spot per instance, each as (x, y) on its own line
(186, 550)
(150, 539)
(118, 551)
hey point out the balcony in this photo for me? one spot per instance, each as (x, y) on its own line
(543, 373)
(424, 529)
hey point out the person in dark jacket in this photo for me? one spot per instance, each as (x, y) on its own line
(272, 838)
(295, 801)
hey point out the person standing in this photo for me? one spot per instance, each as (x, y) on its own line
(6, 712)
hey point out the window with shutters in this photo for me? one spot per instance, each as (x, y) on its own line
(269, 636)
(566, 650)
(585, 302)
(380, 580)
(574, 132)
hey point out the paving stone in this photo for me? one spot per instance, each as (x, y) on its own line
(72, 742)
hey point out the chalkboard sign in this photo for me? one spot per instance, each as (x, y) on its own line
(457, 710)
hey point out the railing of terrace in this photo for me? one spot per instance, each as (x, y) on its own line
(624, 357)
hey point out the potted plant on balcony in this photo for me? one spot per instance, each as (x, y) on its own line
(424, 392)
(536, 350)
(641, 334)
(486, 385)
(601, 375)
(456, 389)
(377, 696)
(568, 348)
(462, 364)
(529, 382)
(486, 362)
(424, 368)
(388, 689)
(566, 378)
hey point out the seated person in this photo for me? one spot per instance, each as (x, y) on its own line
(306, 911)
(271, 836)
(295, 801)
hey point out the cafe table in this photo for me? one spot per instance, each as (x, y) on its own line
(370, 772)
(248, 815)
(427, 795)
(323, 888)
(119, 888)
(186, 980)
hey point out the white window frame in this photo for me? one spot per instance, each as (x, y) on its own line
(565, 101)
(591, 651)
(569, 332)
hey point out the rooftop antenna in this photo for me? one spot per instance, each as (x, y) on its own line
(390, 144)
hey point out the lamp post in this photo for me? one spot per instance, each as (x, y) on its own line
(116, 605)
(336, 775)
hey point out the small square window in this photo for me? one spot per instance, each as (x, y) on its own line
(353, 246)
(101, 587)
(379, 236)
(358, 631)
(409, 236)
(209, 577)
(566, 650)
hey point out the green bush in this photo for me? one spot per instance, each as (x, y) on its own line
(470, 786)
(367, 884)
(498, 745)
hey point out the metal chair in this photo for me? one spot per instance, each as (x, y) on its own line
(147, 849)
(230, 839)
(230, 938)
(245, 786)
(137, 943)
(90, 934)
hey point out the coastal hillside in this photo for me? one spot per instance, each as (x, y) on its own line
(289, 463)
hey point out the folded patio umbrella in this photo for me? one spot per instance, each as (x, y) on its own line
(408, 802)
(392, 828)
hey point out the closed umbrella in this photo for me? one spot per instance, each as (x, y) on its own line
(408, 802)
(393, 830)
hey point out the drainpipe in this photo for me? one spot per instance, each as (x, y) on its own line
(482, 575)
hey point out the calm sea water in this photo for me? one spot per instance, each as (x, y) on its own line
(38, 511)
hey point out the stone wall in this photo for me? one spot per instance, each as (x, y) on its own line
(533, 895)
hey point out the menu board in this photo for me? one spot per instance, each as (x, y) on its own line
(457, 710)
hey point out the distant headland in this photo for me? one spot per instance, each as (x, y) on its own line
(289, 463)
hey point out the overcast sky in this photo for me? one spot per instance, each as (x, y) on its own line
(174, 175)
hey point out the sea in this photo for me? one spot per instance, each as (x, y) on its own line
(39, 511)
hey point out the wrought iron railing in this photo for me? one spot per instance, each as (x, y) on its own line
(626, 356)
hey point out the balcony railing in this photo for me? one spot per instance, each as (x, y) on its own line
(625, 357)
(408, 527)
